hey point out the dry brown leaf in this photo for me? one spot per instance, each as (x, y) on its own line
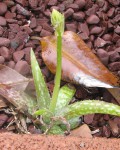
(79, 64)
(11, 77)
(2, 102)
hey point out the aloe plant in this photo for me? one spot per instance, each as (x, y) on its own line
(56, 113)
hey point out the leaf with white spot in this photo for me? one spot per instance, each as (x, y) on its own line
(89, 107)
(42, 93)
(65, 95)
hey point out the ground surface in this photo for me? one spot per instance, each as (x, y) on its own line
(34, 142)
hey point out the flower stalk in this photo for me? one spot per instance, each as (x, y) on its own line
(57, 20)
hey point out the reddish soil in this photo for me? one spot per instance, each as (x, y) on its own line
(97, 22)
(42, 142)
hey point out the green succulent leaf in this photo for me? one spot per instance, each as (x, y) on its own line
(43, 96)
(40, 112)
(56, 130)
(89, 107)
(74, 123)
(65, 95)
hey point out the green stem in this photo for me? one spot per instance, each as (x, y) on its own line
(58, 74)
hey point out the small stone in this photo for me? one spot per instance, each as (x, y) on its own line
(75, 7)
(11, 64)
(114, 2)
(61, 7)
(105, 7)
(88, 119)
(71, 27)
(107, 37)
(115, 66)
(22, 67)
(106, 131)
(46, 72)
(80, 3)
(3, 8)
(2, 60)
(14, 28)
(4, 51)
(84, 36)
(118, 43)
(52, 2)
(27, 53)
(82, 131)
(92, 10)
(117, 49)
(79, 16)
(117, 120)
(68, 2)
(83, 27)
(117, 30)
(22, 2)
(68, 13)
(18, 55)
(54, 7)
(27, 29)
(33, 3)
(47, 27)
(22, 10)
(115, 37)
(117, 18)
(114, 56)
(114, 127)
(100, 3)
(106, 117)
(38, 29)
(96, 30)
(12, 21)
(4, 42)
(2, 21)
(100, 42)
(10, 15)
(47, 13)
(110, 26)
(45, 33)
(14, 43)
(34, 130)
(1, 31)
(111, 12)
(93, 19)
(103, 55)
(3, 119)
(33, 23)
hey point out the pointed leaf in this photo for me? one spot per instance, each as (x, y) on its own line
(80, 65)
(65, 95)
(43, 97)
(89, 107)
